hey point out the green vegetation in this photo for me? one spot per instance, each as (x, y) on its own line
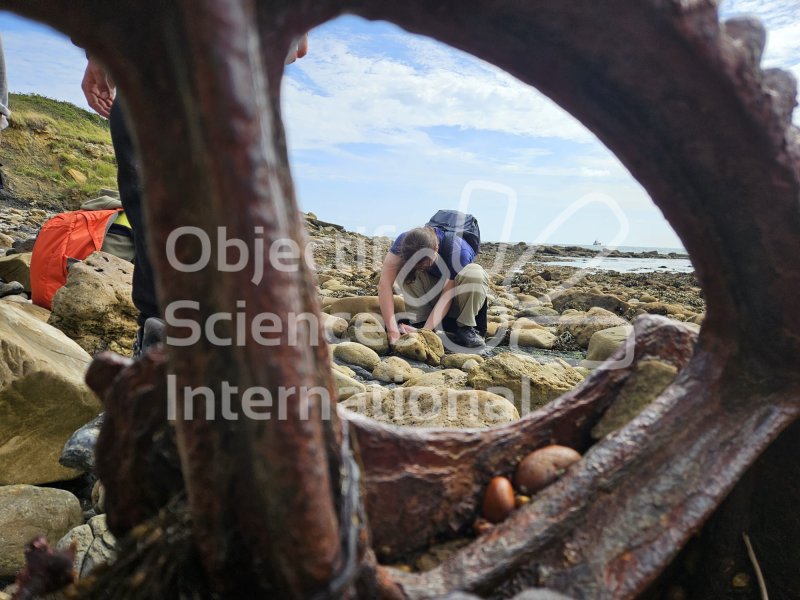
(55, 154)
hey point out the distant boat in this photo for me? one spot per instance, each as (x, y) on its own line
(597, 243)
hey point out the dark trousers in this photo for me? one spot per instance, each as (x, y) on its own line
(144, 290)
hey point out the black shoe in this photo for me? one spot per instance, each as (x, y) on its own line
(150, 334)
(469, 337)
(154, 333)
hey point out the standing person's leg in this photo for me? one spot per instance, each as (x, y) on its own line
(5, 113)
(144, 294)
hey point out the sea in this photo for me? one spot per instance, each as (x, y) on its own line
(663, 264)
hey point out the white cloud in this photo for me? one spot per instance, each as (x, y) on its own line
(345, 94)
(588, 172)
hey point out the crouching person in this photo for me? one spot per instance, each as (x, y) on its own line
(441, 284)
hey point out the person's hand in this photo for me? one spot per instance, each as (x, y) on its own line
(98, 90)
(298, 50)
(407, 328)
(394, 334)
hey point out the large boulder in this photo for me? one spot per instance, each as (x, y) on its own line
(352, 305)
(78, 452)
(603, 343)
(527, 323)
(543, 315)
(584, 300)
(17, 267)
(368, 329)
(43, 397)
(649, 378)
(38, 312)
(496, 330)
(346, 386)
(582, 326)
(334, 327)
(524, 380)
(461, 361)
(433, 407)
(27, 512)
(394, 369)
(532, 338)
(447, 378)
(665, 309)
(95, 308)
(357, 354)
(422, 345)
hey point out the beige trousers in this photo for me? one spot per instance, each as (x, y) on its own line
(471, 288)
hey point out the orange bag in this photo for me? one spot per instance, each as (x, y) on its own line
(73, 234)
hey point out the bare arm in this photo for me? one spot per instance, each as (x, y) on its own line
(391, 266)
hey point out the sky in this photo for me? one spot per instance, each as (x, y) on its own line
(385, 127)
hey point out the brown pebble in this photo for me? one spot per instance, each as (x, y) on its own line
(542, 467)
(498, 502)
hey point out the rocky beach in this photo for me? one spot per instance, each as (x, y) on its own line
(548, 328)
(312, 397)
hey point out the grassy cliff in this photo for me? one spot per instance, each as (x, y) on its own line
(55, 154)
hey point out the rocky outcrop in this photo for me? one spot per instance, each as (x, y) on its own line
(664, 308)
(422, 345)
(394, 369)
(368, 329)
(583, 325)
(334, 327)
(530, 384)
(37, 312)
(446, 378)
(532, 338)
(433, 407)
(543, 315)
(43, 398)
(648, 380)
(461, 361)
(357, 354)
(603, 343)
(346, 386)
(26, 512)
(583, 300)
(95, 308)
(78, 452)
